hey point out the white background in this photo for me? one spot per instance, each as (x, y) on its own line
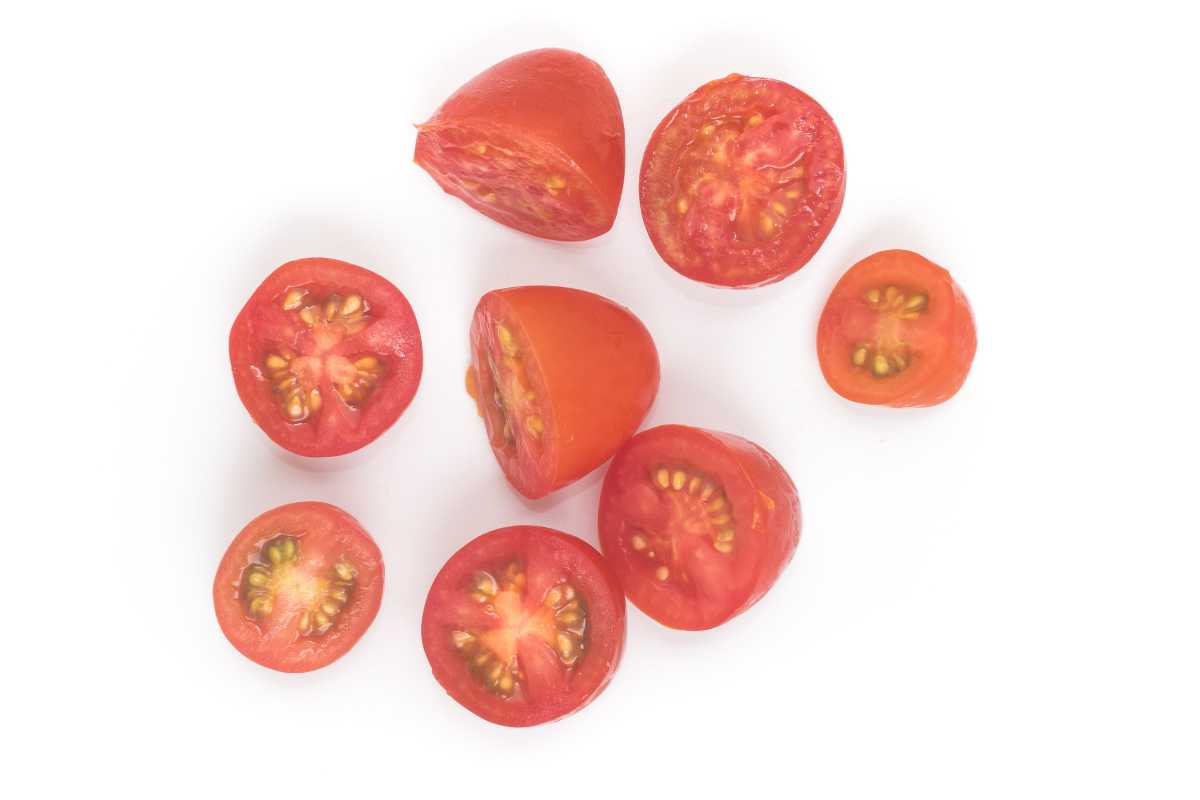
(997, 597)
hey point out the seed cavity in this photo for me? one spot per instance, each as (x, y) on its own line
(889, 356)
(262, 579)
(715, 506)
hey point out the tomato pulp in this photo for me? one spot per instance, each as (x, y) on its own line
(326, 356)
(524, 625)
(697, 524)
(298, 586)
(536, 142)
(742, 182)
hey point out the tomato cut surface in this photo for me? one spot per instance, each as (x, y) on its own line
(325, 356)
(298, 586)
(561, 378)
(697, 524)
(524, 625)
(536, 142)
(742, 182)
(897, 331)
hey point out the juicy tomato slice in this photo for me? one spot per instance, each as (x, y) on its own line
(897, 331)
(536, 142)
(742, 182)
(326, 356)
(298, 586)
(524, 625)
(697, 524)
(561, 377)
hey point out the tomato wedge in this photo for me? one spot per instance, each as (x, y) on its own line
(897, 331)
(326, 356)
(536, 142)
(742, 182)
(298, 586)
(697, 524)
(524, 625)
(562, 378)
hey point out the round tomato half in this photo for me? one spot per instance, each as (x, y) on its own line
(897, 331)
(742, 182)
(524, 625)
(536, 142)
(298, 586)
(697, 524)
(562, 378)
(326, 356)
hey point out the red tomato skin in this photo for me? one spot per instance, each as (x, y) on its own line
(244, 633)
(606, 595)
(598, 371)
(775, 518)
(397, 336)
(559, 102)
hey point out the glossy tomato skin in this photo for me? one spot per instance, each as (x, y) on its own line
(742, 182)
(324, 533)
(938, 342)
(757, 490)
(590, 366)
(549, 556)
(390, 334)
(501, 140)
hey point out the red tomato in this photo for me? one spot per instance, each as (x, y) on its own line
(697, 524)
(326, 356)
(524, 625)
(535, 142)
(896, 331)
(298, 586)
(561, 378)
(742, 182)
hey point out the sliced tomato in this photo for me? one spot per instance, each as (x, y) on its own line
(897, 331)
(562, 378)
(524, 625)
(535, 142)
(298, 586)
(742, 182)
(697, 524)
(326, 356)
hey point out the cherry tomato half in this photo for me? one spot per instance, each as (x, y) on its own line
(536, 142)
(897, 331)
(562, 378)
(697, 524)
(325, 355)
(524, 625)
(742, 182)
(298, 586)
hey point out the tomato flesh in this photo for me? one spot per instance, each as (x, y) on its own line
(524, 625)
(697, 524)
(326, 356)
(298, 586)
(898, 331)
(742, 182)
(536, 142)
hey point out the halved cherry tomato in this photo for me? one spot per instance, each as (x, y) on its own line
(524, 625)
(897, 331)
(535, 142)
(325, 355)
(742, 182)
(698, 524)
(298, 586)
(561, 377)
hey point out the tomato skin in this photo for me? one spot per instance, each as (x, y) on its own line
(945, 339)
(552, 550)
(758, 487)
(594, 367)
(394, 336)
(308, 519)
(793, 133)
(556, 108)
